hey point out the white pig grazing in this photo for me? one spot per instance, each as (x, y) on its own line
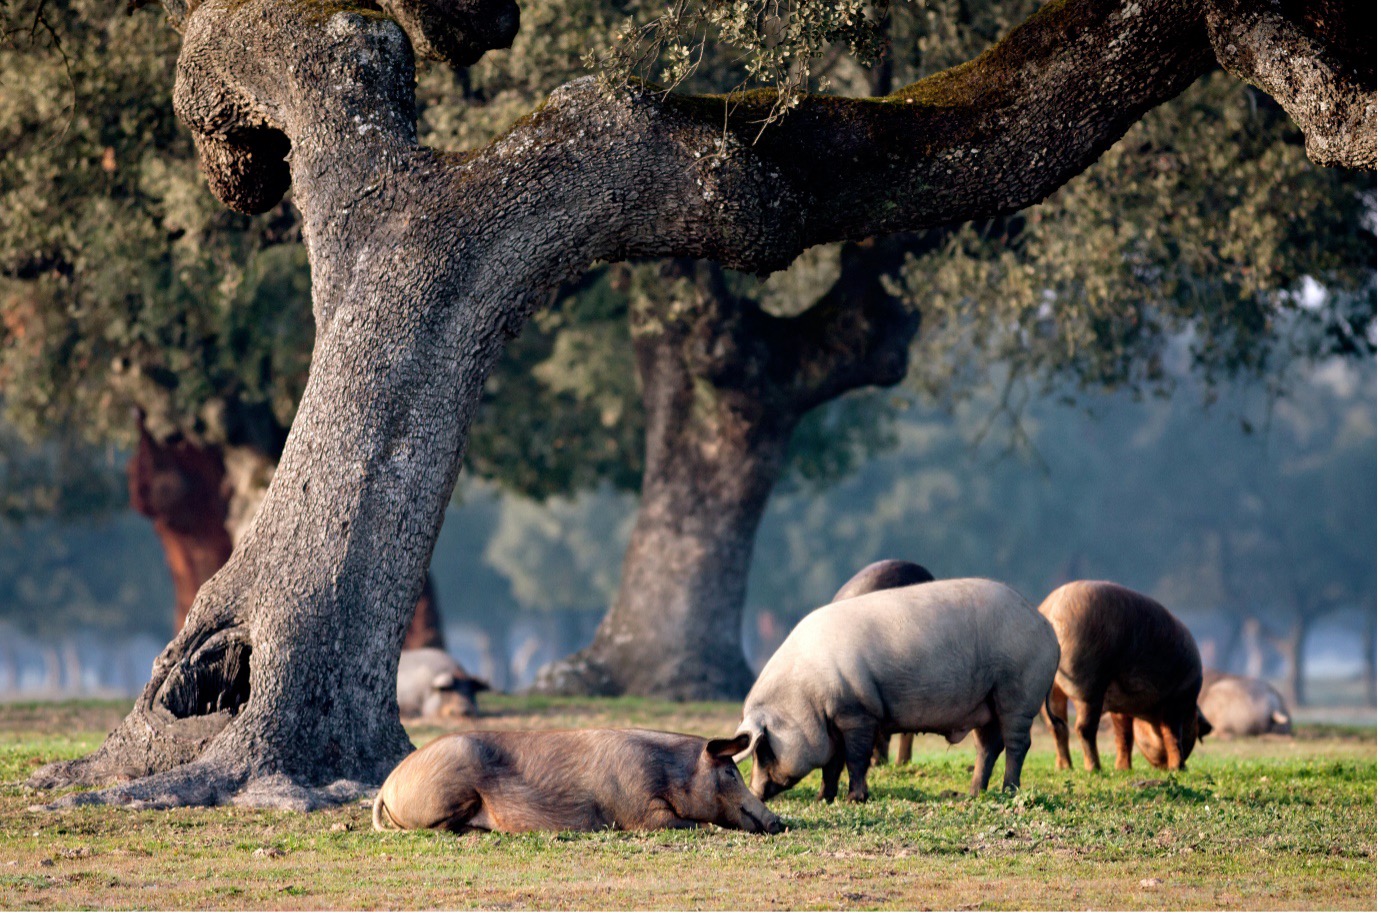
(943, 657)
(433, 685)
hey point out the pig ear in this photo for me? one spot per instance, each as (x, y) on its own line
(476, 684)
(728, 747)
(443, 680)
(1205, 726)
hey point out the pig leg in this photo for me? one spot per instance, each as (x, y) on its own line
(1059, 705)
(662, 817)
(1170, 737)
(904, 747)
(829, 774)
(1089, 712)
(989, 746)
(880, 749)
(858, 751)
(1016, 740)
(1122, 739)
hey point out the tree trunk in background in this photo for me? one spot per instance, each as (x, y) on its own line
(201, 499)
(1291, 648)
(72, 668)
(424, 630)
(724, 385)
(711, 462)
(179, 486)
(1369, 657)
(9, 669)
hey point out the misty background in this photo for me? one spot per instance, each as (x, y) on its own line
(1252, 518)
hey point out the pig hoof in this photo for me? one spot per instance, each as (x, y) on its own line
(857, 799)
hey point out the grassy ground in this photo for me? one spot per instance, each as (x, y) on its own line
(1265, 824)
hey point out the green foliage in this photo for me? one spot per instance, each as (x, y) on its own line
(768, 44)
(561, 413)
(122, 281)
(1203, 235)
(562, 554)
(63, 478)
(57, 580)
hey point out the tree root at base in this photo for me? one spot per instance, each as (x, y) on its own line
(205, 784)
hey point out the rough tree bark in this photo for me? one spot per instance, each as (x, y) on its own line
(280, 688)
(724, 384)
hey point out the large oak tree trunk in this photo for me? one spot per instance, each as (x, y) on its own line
(280, 688)
(711, 461)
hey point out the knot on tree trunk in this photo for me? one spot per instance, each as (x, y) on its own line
(456, 32)
(256, 78)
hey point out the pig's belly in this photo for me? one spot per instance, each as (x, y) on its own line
(954, 720)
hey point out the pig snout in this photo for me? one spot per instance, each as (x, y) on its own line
(746, 812)
(451, 703)
(456, 704)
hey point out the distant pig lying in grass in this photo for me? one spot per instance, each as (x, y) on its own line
(943, 657)
(1239, 705)
(586, 779)
(434, 685)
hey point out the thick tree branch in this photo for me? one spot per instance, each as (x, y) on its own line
(1303, 55)
(858, 333)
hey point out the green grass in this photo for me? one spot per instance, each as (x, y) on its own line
(1265, 824)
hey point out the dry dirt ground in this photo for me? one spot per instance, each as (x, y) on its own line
(1278, 823)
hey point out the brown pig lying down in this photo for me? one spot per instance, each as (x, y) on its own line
(1123, 653)
(584, 779)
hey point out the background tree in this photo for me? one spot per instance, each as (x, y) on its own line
(254, 699)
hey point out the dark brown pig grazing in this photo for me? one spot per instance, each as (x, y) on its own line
(1242, 705)
(876, 577)
(1123, 653)
(584, 779)
(883, 574)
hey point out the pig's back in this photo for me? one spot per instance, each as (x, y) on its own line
(1107, 630)
(914, 640)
